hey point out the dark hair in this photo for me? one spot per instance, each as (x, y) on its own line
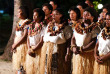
(93, 13)
(63, 20)
(40, 13)
(55, 2)
(83, 4)
(108, 13)
(107, 6)
(77, 11)
(49, 6)
(25, 11)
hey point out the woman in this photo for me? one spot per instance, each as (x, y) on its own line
(83, 43)
(54, 47)
(75, 15)
(81, 6)
(47, 8)
(35, 42)
(102, 16)
(102, 50)
(19, 46)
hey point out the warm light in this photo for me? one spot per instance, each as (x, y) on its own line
(100, 6)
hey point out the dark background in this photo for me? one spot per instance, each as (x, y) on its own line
(6, 19)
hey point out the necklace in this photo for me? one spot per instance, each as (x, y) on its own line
(37, 28)
(80, 28)
(106, 33)
(54, 28)
(21, 26)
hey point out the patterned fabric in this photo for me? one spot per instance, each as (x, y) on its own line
(54, 64)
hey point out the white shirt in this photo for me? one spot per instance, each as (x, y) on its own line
(104, 45)
(33, 40)
(59, 38)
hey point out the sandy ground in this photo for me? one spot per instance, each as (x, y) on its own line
(6, 67)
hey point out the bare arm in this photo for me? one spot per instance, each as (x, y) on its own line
(96, 49)
(90, 45)
(28, 43)
(73, 41)
(105, 57)
(74, 47)
(22, 39)
(68, 45)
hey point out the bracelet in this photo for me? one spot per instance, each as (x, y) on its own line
(72, 46)
(67, 53)
(81, 49)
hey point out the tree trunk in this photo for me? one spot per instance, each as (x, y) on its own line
(17, 3)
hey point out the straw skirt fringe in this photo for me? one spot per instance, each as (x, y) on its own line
(83, 63)
(19, 57)
(62, 67)
(33, 63)
(102, 68)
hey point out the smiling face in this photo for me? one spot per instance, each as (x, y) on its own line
(87, 17)
(35, 16)
(73, 15)
(56, 16)
(107, 20)
(104, 10)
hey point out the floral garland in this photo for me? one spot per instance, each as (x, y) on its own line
(35, 29)
(80, 28)
(106, 33)
(46, 21)
(54, 29)
(20, 27)
(72, 24)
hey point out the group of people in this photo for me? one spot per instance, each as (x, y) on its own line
(52, 44)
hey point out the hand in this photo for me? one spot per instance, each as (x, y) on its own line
(98, 59)
(14, 46)
(31, 54)
(66, 57)
(75, 50)
(103, 58)
(13, 50)
(29, 47)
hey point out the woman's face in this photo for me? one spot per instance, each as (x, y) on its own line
(73, 15)
(35, 16)
(87, 16)
(104, 10)
(20, 13)
(56, 16)
(107, 20)
(46, 10)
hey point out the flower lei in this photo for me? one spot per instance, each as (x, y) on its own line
(54, 29)
(72, 24)
(106, 33)
(46, 21)
(81, 29)
(20, 27)
(35, 29)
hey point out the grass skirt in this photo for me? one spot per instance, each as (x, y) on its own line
(19, 57)
(83, 63)
(102, 68)
(33, 63)
(46, 66)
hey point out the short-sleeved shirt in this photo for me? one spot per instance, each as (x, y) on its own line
(104, 45)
